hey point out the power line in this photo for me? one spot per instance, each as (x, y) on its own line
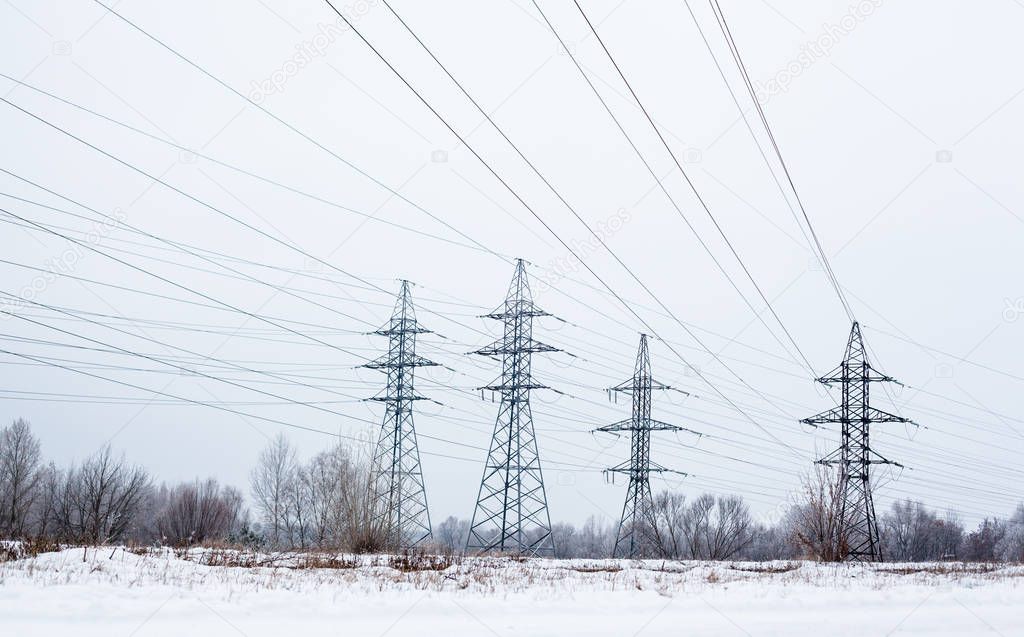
(540, 219)
(559, 195)
(727, 33)
(682, 171)
(233, 167)
(443, 315)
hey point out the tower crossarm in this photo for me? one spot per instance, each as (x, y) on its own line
(407, 326)
(837, 415)
(385, 398)
(627, 387)
(832, 415)
(868, 374)
(500, 347)
(877, 415)
(512, 387)
(622, 425)
(653, 467)
(507, 313)
(649, 424)
(407, 360)
(836, 459)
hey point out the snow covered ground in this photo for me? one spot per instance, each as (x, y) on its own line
(113, 591)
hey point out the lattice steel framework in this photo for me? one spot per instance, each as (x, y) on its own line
(858, 528)
(398, 494)
(511, 513)
(637, 534)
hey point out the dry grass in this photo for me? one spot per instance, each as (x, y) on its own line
(611, 568)
(941, 568)
(243, 571)
(771, 569)
(336, 562)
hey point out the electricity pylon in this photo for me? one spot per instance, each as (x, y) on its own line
(511, 513)
(399, 497)
(637, 535)
(858, 527)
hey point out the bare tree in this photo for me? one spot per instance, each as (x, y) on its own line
(99, 501)
(563, 536)
(768, 542)
(728, 528)
(980, 545)
(20, 477)
(596, 538)
(709, 528)
(318, 482)
(669, 512)
(272, 483)
(1010, 548)
(451, 534)
(325, 503)
(196, 512)
(333, 493)
(697, 524)
(44, 508)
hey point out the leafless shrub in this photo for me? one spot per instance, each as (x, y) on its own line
(230, 558)
(815, 523)
(197, 512)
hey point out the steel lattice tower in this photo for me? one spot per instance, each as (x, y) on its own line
(637, 534)
(398, 493)
(858, 526)
(511, 513)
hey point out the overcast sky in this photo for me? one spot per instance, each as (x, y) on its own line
(900, 123)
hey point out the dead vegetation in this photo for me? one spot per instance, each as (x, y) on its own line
(943, 568)
(771, 569)
(415, 562)
(595, 568)
(23, 549)
(233, 571)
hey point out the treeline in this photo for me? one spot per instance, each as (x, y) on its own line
(106, 499)
(324, 504)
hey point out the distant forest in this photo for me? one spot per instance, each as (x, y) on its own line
(323, 504)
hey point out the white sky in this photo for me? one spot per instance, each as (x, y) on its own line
(904, 141)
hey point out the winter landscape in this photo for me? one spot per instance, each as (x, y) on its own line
(116, 591)
(511, 317)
